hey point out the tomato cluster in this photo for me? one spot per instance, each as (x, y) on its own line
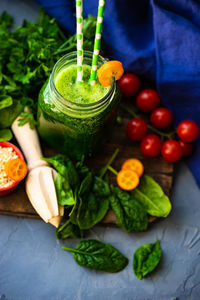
(148, 101)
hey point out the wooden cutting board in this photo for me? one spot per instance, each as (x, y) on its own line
(17, 203)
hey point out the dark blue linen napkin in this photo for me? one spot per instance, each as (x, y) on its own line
(158, 40)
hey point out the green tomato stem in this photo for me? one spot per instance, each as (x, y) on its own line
(169, 135)
(104, 170)
(162, 134)
(111, 169)
(130, 111)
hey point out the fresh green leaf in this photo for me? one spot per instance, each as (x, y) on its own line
(146, 258)
(74, 212)
(86, 184)
(82, 169)
(151, 196)
(90, 198)
(93, 203)
(5, 101)
(9, 114)
(27, 117)
(68, 230)
(5, 19)
(64, 192)
(89, 28)
(97, 255)
(5, 135)
(130, 214)
(27, 56)
(65, 167)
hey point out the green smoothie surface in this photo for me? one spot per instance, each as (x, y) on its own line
(67, 86)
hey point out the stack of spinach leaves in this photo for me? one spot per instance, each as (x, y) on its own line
(84, 195)
(27, 56)
(87, 198)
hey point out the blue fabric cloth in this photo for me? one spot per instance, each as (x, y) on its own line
(158, 40)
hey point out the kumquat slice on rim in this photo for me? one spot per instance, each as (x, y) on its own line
(133, 164)
(16, 169)
(109, 70)
(127, 179)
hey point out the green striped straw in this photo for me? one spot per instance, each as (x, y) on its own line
(97, 42)
(79, 31)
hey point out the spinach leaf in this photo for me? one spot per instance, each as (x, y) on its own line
(64, 192)
(130, 214)
(5, 135)
(74, 212)
(92, 200)
(82, 169)
(146, 258)
(86, 184)
(9, 114)
(68, 230)
(97, 255)
(65, 167)
(150, 194)
(93, 204)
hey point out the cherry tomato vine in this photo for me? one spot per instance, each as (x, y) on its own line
(166, 143)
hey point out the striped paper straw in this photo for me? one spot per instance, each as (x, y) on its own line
(97, 42)
(79, 31)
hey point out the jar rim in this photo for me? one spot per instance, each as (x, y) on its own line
(67, 103)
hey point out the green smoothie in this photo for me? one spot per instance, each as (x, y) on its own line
(76, 118)
(84, 93)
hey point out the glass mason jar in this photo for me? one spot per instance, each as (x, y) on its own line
(73, 128)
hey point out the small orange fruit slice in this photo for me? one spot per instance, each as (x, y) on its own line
(109, 70)
(133, 164)
(127, 179)
(16, 169)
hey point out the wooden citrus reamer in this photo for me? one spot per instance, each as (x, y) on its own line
(40, 186)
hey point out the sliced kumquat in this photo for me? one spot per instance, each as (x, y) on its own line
(133, 164)
(109, 70)
(16, 169)
(127, 179)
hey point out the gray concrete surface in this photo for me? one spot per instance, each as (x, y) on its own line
(33, 266)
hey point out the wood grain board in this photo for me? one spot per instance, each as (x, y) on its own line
(17, 203)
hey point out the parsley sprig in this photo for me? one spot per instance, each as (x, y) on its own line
(27, 56)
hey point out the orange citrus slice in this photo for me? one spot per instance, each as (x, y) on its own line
(109, 70)
(127, 179)
(16, 169)
(133, 164)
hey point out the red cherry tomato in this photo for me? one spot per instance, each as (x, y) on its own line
(187, 148)
(188, 131)
(171, 151)
(151, 145)
(161, 117)
(129, 85)
(147, 100)
(136, 129)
